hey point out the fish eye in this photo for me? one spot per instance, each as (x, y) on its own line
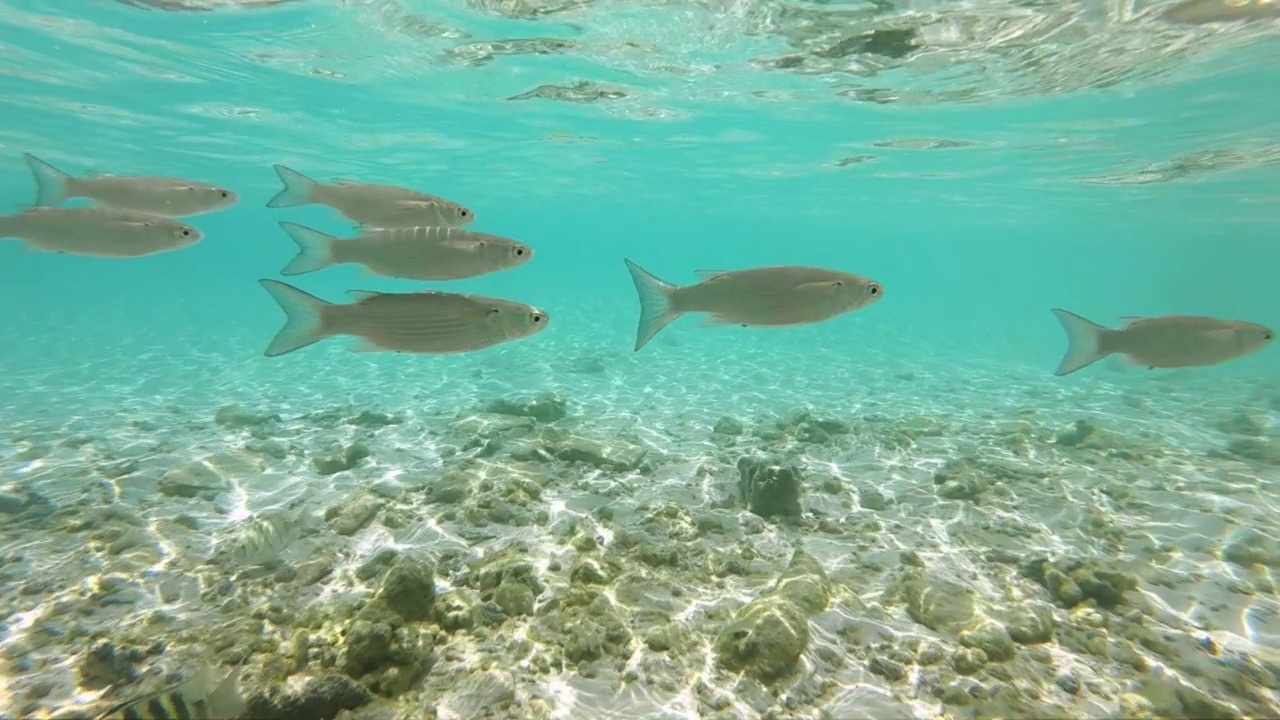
(536, 318)
(519, 251)
(874, 290)
(464, 212)
(1268, 335)
(186, 233)
(225, 194)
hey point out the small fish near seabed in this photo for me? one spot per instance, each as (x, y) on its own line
(97, 231)
(373, 206)
(761, 297)
(167, 197)
(423, 322)
(200, 697)
(1168, 341)
(414, 253)
(264, 538)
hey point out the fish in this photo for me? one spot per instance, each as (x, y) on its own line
(421, 322)
(1168, 341)
(163, 196)
(413, 253)
(196, 698)
(265, 537)
(778, 295)
(97, 231)
(1199, 12)
(374, 206)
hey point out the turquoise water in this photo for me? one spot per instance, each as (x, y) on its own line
(1093, 158)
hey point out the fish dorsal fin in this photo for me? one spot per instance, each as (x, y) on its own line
(359, 295)
(1129, 318)
(708, 274)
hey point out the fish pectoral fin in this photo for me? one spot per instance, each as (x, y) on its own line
(359, 295)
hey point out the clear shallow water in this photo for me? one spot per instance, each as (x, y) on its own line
(1095, 158)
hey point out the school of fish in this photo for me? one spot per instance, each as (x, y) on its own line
(412, 235)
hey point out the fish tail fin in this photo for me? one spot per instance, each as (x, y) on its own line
(304, 318)
(1084, 342)
(297, 188)
(225, 699)
(52, 185)
(655, 303)
(315, 249)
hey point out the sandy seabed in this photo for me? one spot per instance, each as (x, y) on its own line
(672, 534)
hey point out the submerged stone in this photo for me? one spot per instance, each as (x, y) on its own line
(409, 588)
(320, 698)
(1071, 581)
(770, 487)
(545, 408)
(189, 480)
(768, 635)
(940, 605)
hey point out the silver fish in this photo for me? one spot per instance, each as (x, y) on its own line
(196, 698)
(422, 322)
(265, 537)
(413, 253)
(97, 231)
(1169, 341)
(1198, 12)
(762, 297)
(374, 206)
(163, 196)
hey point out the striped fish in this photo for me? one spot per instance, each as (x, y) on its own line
(421, 322)
(190, 699)
(265, 538)
(413, 253)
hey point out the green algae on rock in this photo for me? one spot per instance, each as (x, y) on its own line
(409, 588)
(768, 635)
(544, 407)
(1072, 581)
(770, 487)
